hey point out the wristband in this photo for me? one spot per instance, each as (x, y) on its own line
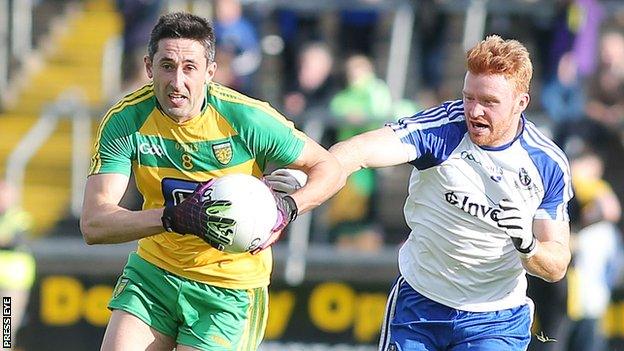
(167, 220)
(529, 251)
(291, 208)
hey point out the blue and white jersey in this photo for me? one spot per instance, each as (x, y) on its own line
(456, 254)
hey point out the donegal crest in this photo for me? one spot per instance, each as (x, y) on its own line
(223, 152)
(121, 285)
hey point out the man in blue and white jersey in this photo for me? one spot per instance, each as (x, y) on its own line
(487, 203)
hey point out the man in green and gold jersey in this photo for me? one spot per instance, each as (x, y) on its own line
(175, 134)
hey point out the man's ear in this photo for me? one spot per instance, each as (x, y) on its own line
(523, 102)
(148, 66)
(210, 71)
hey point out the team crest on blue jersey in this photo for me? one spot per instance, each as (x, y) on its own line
(524, 177)
(223, 152)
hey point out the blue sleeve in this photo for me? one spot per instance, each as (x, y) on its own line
(432, 134)
(554, 191)
(554, 170)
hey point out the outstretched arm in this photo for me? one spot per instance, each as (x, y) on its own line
(324, 176)
(103, 221)
(377, 148)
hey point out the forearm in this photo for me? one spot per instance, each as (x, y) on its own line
(112, 224)
(348, 153)
(324, 180)
(550, 261)
(374, 149)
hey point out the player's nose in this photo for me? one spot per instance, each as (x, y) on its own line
(475, 110)
(177, 79)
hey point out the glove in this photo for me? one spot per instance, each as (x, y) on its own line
(199, 215)
(286, 212)
(519, 229)
(286, 181)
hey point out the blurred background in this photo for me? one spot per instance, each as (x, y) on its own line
(335, 68)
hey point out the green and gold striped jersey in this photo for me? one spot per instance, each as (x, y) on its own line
(233, 134)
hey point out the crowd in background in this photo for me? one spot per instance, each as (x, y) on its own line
(328, 81)
(325, 72)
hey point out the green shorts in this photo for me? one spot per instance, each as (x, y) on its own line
(193, 313)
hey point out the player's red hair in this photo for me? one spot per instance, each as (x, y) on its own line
(494, 55)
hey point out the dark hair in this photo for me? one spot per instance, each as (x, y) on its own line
(186, 26)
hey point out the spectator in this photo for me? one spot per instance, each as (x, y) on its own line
(311, 92)
(139, 16)
(606, 87)
(596, 252)
(237, 40)
(605, 141)
(361, 106)
(366, 98)
(18, 265)
(563, 96)
(296, 28)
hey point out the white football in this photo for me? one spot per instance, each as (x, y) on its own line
(253, 208)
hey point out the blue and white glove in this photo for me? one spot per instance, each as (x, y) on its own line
(518, 227)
